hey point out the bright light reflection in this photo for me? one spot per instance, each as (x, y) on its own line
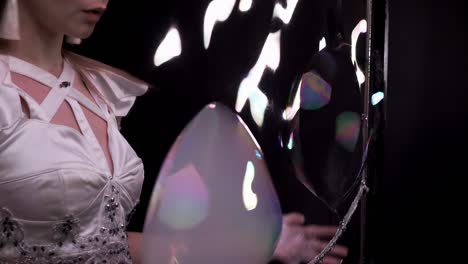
(291, 111)
(248, 196)
(169, 48)
(245, 5)
(377, 97)
(248, 89)
(269, 57)
(258, 104)
(217, 11)
(285, 14)
(291, 142)
(280, 141)
(258, 154)
(361, 27)
(249, 132)
(322, 44)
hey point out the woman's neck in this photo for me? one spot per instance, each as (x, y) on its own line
(36, 45)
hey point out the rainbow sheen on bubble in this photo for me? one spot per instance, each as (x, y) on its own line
(185, 200)
(214, 201)
(315, 92)
(348, 125)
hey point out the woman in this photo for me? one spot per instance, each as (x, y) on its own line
(68, 179)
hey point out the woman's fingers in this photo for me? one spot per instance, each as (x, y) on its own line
(337, 250)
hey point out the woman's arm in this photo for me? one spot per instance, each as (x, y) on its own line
(134, 243)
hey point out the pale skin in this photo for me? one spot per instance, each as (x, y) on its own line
(43, 26)
(301, 243)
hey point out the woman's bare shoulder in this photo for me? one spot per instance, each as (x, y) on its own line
(118, 87)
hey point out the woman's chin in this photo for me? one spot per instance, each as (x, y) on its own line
(83, 33)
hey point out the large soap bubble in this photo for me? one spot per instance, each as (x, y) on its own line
(214, 201)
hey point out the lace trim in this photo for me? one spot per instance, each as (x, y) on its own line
(109, 246)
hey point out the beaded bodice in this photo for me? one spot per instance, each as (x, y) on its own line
(59, 201)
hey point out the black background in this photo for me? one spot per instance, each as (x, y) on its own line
(414, 202)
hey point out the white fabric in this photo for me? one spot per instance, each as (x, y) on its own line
(51, 174)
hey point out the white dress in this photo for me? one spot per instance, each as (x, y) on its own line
(59, 201)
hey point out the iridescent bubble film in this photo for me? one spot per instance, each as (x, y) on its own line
(214, 201)
(325, 154)
(315, 92)
(347, 130)
(185, 201)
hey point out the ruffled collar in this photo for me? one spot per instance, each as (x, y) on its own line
(117, 88)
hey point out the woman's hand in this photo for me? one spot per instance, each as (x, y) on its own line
(299, 243)
(134, 243)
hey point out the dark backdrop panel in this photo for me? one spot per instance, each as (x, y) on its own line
(425, 135)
